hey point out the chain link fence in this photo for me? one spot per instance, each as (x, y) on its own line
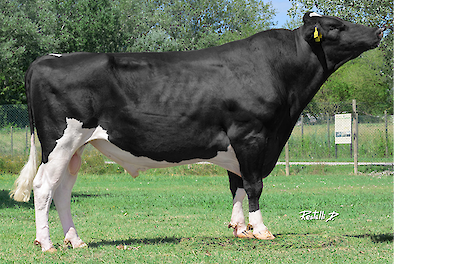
(313, 138)
(14, 130)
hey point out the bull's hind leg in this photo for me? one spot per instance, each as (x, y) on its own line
(62, 197)
(42, 201)
(55, 180)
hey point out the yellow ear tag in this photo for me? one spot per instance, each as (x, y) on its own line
(317, 36)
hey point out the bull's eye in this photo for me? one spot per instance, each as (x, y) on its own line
(337, 27)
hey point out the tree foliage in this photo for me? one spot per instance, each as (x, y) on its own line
(32, 28)
(198, 24)
(363, 80)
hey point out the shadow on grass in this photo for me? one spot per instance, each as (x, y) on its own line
(132, 241)
(7, 202)
(283, 241)
(86, 195)
(376, 238)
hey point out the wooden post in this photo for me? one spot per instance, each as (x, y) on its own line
(11, 138)
(355, 135)
(386, 134)
(286, 149)
(302, 131)
(328, 132)
(351, 150)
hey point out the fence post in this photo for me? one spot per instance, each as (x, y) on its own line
(11, 138)
(386, 134)
(302, 131)
(355, 135)
(328, 132)
(286, 149)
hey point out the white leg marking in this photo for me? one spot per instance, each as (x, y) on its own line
(237, 212)
(54, 179)
(256, 221)
(260, 231)
(62, 197)
(42, 202)
(237, 221)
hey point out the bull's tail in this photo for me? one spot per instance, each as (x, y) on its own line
(23, 185)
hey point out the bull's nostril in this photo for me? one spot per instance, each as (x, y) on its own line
(380, 33)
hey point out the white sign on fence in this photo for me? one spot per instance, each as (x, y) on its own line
(343, 129)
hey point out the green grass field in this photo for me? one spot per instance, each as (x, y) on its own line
(164, 216)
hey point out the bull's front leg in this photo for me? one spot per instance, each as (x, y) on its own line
(253, 190)
(250, 147)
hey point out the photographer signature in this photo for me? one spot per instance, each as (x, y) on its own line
(317, 215)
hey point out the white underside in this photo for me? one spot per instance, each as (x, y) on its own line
(133, 164)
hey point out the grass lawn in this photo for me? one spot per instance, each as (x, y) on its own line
(183, 219)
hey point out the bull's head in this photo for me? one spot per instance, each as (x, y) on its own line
(335, 41)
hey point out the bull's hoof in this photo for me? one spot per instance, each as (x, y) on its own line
(81, 245)
(50, 250)
(264, 235)
(243, 234)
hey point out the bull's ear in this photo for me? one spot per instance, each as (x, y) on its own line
(313, 28)
(317, 36)
(309, 17)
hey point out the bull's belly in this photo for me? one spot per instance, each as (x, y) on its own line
(133, 164)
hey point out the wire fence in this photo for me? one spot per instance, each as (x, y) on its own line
(14, 131)
(313, 138)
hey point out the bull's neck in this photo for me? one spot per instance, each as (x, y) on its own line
(308, 71)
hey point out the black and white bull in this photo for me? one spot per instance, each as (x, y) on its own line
(233, 105)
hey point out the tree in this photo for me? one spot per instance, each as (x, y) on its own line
(20, 42)
(198, 24)
(360, 79)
